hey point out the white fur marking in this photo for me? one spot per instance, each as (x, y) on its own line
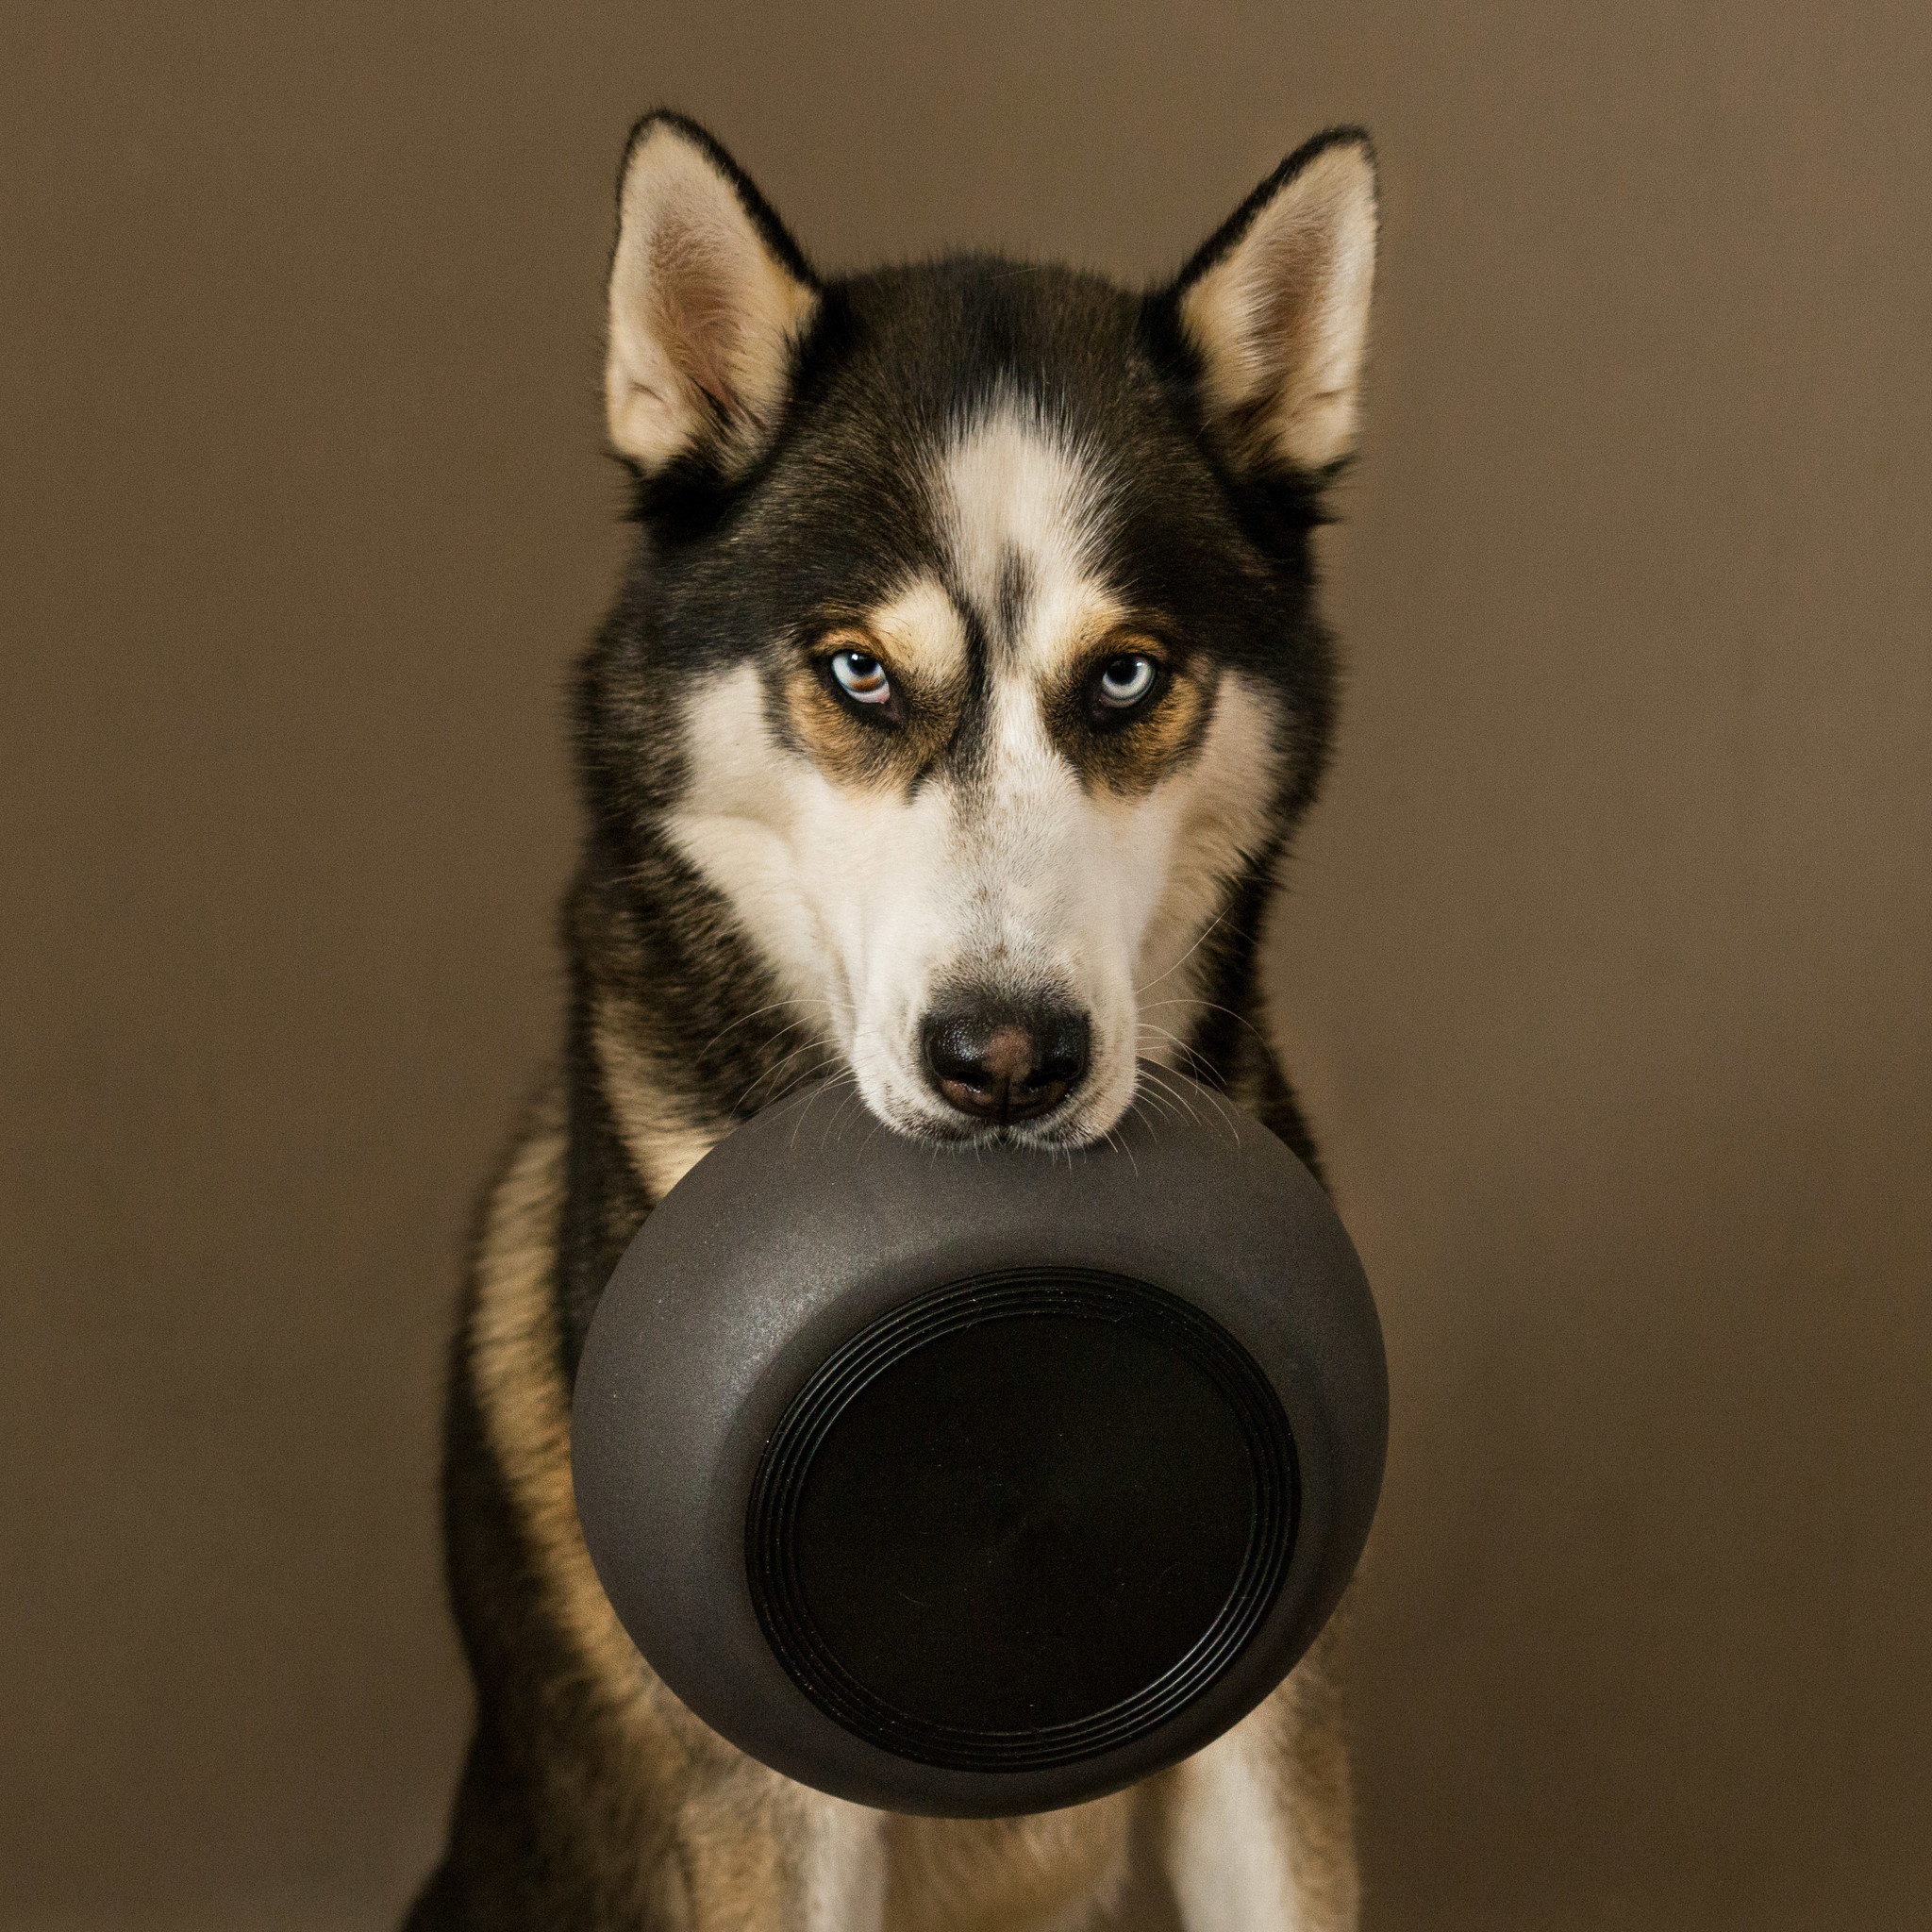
(845, 1868)
(1229, 1857)
(1012, 491)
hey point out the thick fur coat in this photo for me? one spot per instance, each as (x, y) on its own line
(944, 740)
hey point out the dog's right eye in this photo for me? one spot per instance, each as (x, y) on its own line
(861, 678)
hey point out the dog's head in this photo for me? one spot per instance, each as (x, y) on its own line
(971, 643)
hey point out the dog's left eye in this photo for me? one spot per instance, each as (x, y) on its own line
(862, 677)
(1125, 681)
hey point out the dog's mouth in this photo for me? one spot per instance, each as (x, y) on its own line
(1041, 1134)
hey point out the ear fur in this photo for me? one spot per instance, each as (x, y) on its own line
(708, 299)
(1276, 307)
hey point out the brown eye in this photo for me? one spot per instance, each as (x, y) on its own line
(861, 678)
(1124, 683)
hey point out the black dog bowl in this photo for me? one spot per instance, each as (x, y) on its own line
(975, 1480)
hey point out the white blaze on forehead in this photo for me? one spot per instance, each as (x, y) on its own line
(1016, 494)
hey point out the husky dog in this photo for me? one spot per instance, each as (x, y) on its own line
(954, 711)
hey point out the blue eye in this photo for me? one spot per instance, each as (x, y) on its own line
(1126, 680)
(861, 677)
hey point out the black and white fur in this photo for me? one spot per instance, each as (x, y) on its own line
(960, 697)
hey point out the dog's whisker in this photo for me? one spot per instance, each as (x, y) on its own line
(827, 1087)
(1180, 1099)
(1223, 1114)
(1210, 1075)
(849, 1082)
(1161, 1106)
(800, 1080)
(1199, 943)
(746, 1103)
(772, 1072)
(756, 1012)
(1210, 1007)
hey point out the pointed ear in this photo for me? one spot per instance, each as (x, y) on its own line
(709, 297)
(1276, 307)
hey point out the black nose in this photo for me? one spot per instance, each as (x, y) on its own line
(999, 1060)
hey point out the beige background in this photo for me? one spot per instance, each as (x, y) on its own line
(1607, 975)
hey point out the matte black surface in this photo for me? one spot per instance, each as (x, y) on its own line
(736, 1475)
(982, 1482)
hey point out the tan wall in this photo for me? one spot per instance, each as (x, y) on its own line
(1607, 975)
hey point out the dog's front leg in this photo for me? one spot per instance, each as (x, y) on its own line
(757, 1853)
(1255, 1831)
